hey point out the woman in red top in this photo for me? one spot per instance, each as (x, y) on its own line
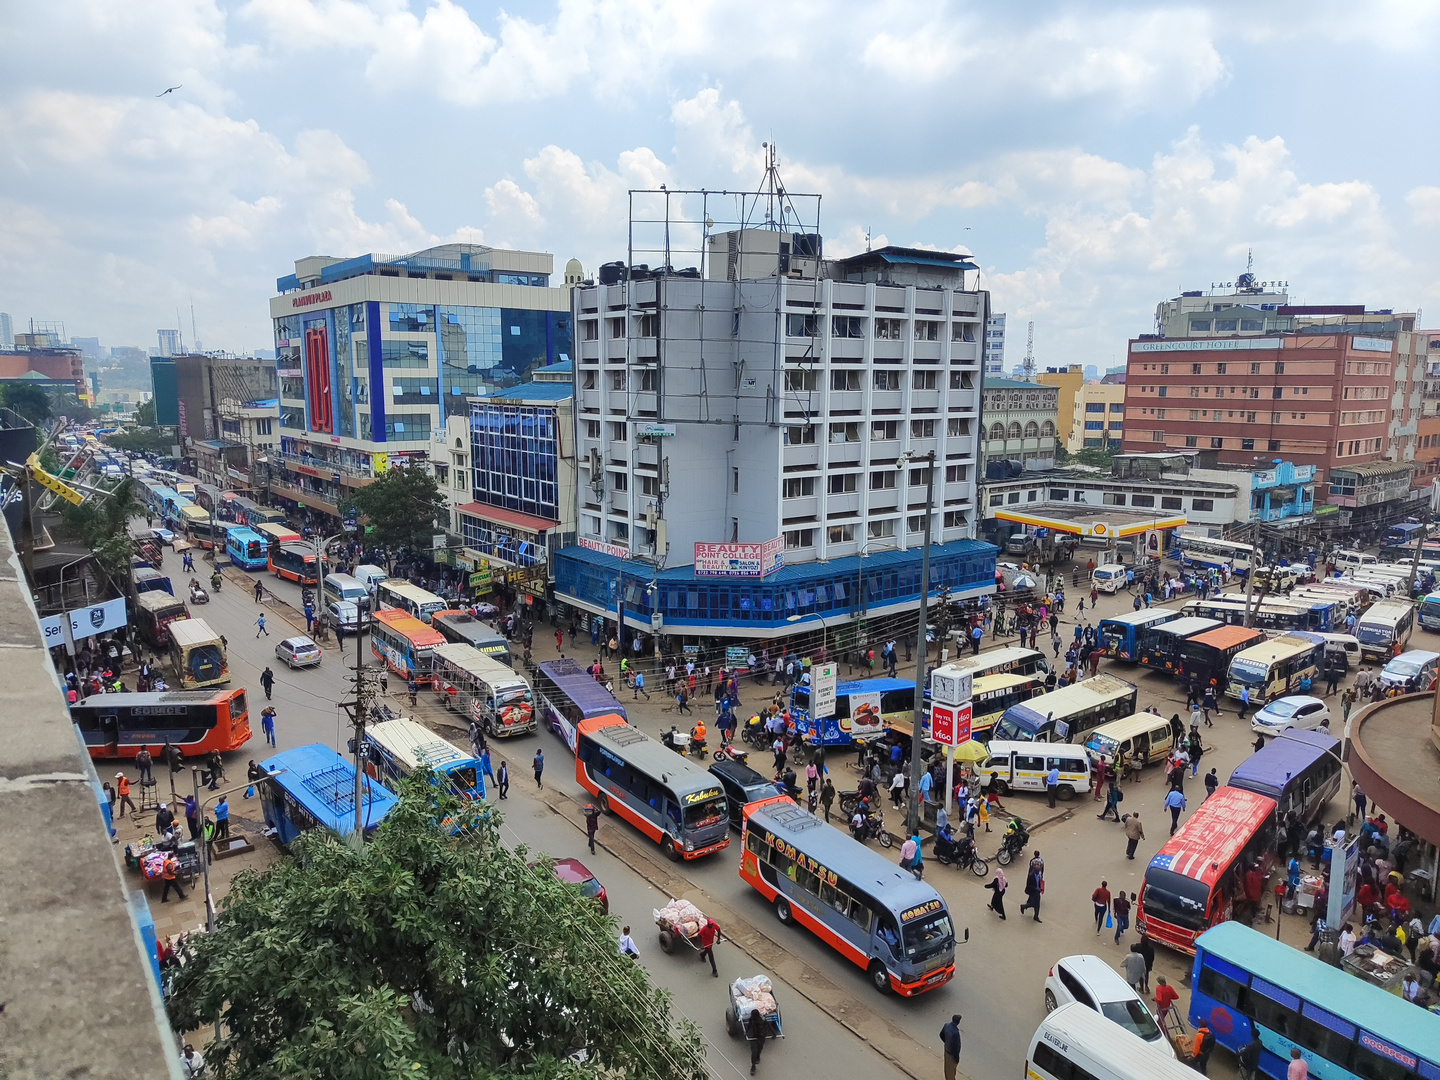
(1366, 897)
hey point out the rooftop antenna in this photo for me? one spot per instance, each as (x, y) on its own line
(194, 334)
(772, 187)
(1027, 369)
(867, 237)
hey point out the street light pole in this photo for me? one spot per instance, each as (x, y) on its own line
(917, 730)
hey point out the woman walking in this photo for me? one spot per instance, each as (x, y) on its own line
(998, 885)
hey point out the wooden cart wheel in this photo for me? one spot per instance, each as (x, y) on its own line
(667, 941)
(732, 1026)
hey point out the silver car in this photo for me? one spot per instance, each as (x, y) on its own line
(298, 652)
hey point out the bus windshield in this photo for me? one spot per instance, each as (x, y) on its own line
(1249, 672)
(933, 935)
(1103, 745)
(1371, 634)
(520, 695)
(1176, 898)
(710, 812)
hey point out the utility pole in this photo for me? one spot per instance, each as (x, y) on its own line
(1415, 562)
(917, 730)
(1250, 586)
(357, 720)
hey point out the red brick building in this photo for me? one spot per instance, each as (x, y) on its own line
(54, 362)
(1313, 399)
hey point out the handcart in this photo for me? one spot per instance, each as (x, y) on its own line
(680, 921)
(747, 996)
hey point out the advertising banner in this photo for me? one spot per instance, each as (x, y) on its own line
(950, 724)
(865, 718)
(605, 549)
(84, 622)
(740, 560)
(1342, 900)
(823, 680)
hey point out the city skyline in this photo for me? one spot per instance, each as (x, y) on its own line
(1096, 160)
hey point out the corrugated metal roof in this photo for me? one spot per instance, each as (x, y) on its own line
(533, 391)
(918, 260)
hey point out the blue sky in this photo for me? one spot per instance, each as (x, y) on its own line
(1096, 158)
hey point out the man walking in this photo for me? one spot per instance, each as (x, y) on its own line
(1175, 803)
(757, 1030)
(259, 591)
(267, 680)
(592, 824)
(122, 793)
(1101, 899)
(827, 797)
(485, 769)
(708, 932)
(144, 762)
(539, 766)
(1034, 885)
(1134, 833)
(1120, 908)
(950, 1041)
(412, 687)
(1212, 781)
(503, 783)
(640, 686)
(267, 724)
(1244, 701)
(1113, 795)
(260, 622)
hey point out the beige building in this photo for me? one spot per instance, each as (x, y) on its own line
(1098, 418)
(1068, 380)
(1019, 422)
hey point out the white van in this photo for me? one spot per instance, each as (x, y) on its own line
(1138, 740)
(369, 576)
(1348, 560)
(1343, 649)
(1077, 1041)
(1109, 578)
(345, 587)
(1022, 766)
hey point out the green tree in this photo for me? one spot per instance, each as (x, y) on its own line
(431, 954)
(27, 399)
(101, 523)
(145, 414)
(141, 440)
(402, 506)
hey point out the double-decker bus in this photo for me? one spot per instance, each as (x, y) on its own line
(246, 548)
(1214, 554)
(1300, 770)
(1193, 882)
(672, 801)
(862, 711)
(1245, 983)
(198, 655)
(418, 602)
(1160, 645)
(490, 693)
(397, 746)
(565, 695)
(1120, 637)
(313, 787)
(465, 629)
(877, 916)
(1070, 713)
(195, 721)
(403, 643)
(1206, 656)
(154, 612)
(295, 562)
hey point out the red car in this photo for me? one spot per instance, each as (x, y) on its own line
(574, 872)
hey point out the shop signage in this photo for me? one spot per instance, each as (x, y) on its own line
(656, 431)
(823, 680)
(85, 622)
(950, 724)
(614, 550)
(740, 560)
(311, 299)
(1207, 345)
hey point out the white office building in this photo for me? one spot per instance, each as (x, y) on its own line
(995, 344)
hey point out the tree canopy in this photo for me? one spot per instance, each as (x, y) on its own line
(101, 523)
(403, 506)
(145, 414)
(430, 953)
(28, 400)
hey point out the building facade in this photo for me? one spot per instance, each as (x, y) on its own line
(42, 355)
(376, 353)
(1068, 380)
(1099, 420)
(752, 440)
(995, 344)
(1020, 423)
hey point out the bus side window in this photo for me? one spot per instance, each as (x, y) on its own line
(860, 914)
(1222, 988)
(757, 846)
(832, 897)
(887, 931)
(1278, 1016)
(673, 811)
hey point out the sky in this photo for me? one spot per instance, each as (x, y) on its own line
(1095, 158)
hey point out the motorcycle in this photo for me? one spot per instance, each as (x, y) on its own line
(960, 853)
(729, 752)
(215, 580)
(1013, 843)
(198, 595)
(872, 827)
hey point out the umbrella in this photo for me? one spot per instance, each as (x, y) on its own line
(1024, 581)
(971, 751)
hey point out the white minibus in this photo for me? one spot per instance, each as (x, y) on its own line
(1109, 578)
(1076, 1041)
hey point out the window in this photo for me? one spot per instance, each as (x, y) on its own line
(1095, 406)
(647, 379)
(1325, 1034)
(847, 326)
(887, 329)
(1217, 443)
(1169, 502)
(844, 380)
(1164, 369)
(588, 381)
(799, 538)
(646, 325)
(925, 380)
(1013, 431)
(735, 480)
(1117, 407)
(955, 519)
(617, 380)
(1222, 325)
(618, 432)
(954, 474)
(1114, 498)
(1204, 506)
(1247, 444)
(922, 429)
(1273, 445)
(1163, 390)
(1194, 369)
(797, 380)
(1220, 369)
(843, 483)
(1157, 436)
(960, 380)
(1222, 988)
(958, 428)
(884, 430)
(798, 487)
(1251, 324)
(1191, 441)
(962, 331)
(617, 327)
(1047, 430)
(800, 325)
(997, 431)
(844, 433)
(1094, 425)
(1142, 500)
(1194, 391)
(1032, 430)
(880, 530)
(1279, 364)
(882, 480)
(927, 330)
(919, 477)
(620, 481)
(800, 436)
(589, 330)
(840, 534)
(886, 380)
(649, 485)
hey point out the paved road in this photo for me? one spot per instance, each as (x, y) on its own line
(829, 1006)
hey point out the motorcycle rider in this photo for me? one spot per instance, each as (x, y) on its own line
(215, 581)
(697, 736)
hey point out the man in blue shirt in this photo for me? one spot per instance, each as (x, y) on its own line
(222, 819)
(950, 1041)
(1052, 784)
(1175, 802)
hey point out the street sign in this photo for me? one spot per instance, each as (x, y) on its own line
(950, 724)
(437, 541)
(951, 685)
(823, 680)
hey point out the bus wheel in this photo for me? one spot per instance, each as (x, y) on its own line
(672, 848)
(603, 802)
(783, 912)
(879, 977)
(1065, 793)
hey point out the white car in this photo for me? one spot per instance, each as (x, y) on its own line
(1300, 712)
(165, 536)
(1094, 983)
(298, 652)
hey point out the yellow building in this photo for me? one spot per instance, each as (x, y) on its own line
(1069, 380)
(1099, 417)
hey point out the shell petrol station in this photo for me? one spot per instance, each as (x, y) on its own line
(1100, 528)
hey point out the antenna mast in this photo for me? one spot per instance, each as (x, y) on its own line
(1028, 368)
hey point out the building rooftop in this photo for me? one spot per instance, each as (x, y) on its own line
(1396, 764)
(471, 262)
(995, 383)
(533, 391)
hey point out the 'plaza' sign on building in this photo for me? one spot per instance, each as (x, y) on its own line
(740, 560)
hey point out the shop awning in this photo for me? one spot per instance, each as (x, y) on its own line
(501, 516)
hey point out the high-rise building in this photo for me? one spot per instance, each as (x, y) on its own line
(7, 330)
(376, 352)
(169, 342)
(752, 438)
(995, 344)
(1099, 418)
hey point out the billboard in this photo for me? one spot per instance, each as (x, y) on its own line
(740, 560)
(317, 379)
(950, 724)
(85, 622)
(824, 678)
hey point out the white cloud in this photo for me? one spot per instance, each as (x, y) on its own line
(1425, 204)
